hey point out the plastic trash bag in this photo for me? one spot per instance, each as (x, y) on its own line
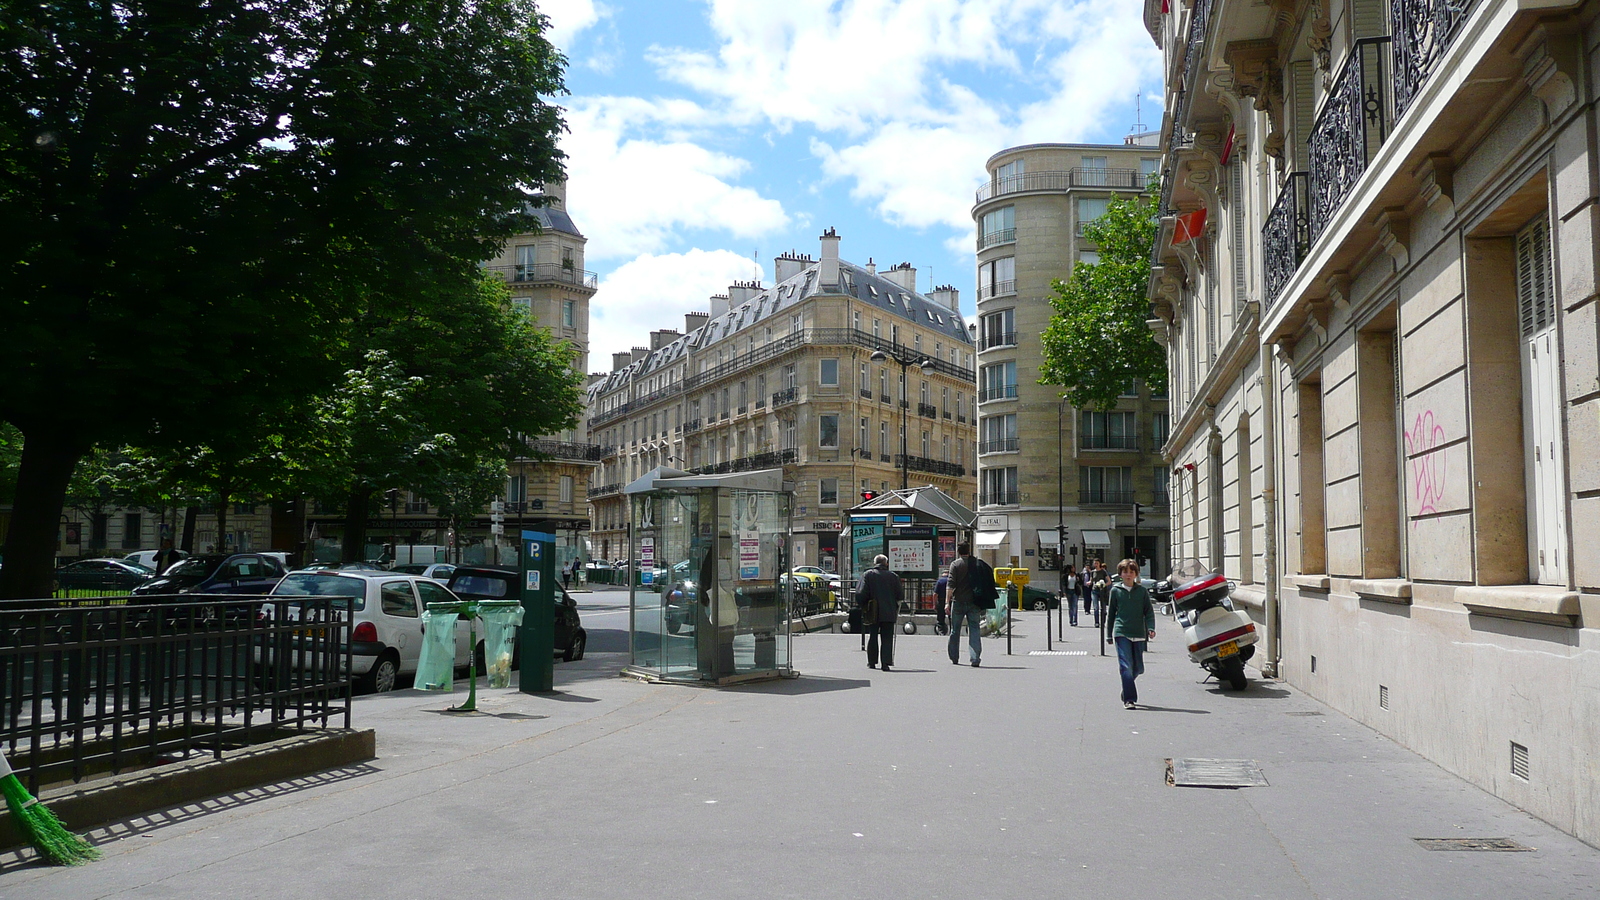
(501, 623)
(436, 667)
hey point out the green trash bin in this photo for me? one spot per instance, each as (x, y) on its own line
(436, 666)
(502, 620)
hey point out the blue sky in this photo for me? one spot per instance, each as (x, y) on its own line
(706, 132)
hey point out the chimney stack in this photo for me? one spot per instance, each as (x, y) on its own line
(695, 321)
(620, 360)
(828, 270)
(638, 354)
(789, 265)
(719, 305)
(872, 267)
(662, 338)
(740, 293)
(903, 274)
(947, 296)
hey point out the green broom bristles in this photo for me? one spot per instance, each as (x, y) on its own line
(40, 826)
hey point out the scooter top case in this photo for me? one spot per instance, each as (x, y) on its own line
(1202, 593)
(1219, 632)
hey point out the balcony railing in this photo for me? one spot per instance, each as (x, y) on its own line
(1108, 442)
(545, 273)
(1423, 31)
(866, 393)
(1286, 237)
(1353, 124)
(568, 450)
(769, 460)
(885, 398)
(998, 498)
(1003, 339)
(927, 410)
(997, 289)
(691, 426)
(1061, 180)
(934, 466)
(1006, 445)
(1104, 497)
(1160, 499)
(1000, 392)
(995, 238)
(605, 489)
(783, 397)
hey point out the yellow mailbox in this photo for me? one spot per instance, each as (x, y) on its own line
(1019, 577)
(1002, 576)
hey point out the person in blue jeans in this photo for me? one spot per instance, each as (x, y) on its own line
(1133, 622)
(962, 608)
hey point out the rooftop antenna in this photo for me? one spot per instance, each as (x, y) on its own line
(1138, 112)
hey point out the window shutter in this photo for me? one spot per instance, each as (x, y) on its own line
(1535, 293)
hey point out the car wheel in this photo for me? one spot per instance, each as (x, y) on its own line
(575, 649)
(384, 676)
(1038, 605)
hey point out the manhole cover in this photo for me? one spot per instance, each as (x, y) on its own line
(1501, 845)
(1058, 653)
(1304, 712)
(1215, 773)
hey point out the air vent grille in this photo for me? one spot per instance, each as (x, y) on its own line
(1519, 760)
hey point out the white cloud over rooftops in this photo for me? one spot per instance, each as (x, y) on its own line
(652, 292)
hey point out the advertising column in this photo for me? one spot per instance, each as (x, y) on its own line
(537, 641)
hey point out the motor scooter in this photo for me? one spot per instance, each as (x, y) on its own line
(1220, 638)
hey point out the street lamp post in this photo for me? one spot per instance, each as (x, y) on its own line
(905, 362)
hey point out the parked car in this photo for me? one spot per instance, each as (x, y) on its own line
(102, 575)
(502, 583)
(436, 571)
(832, 578)
(237, 573)
(147, 558)
(386, 611)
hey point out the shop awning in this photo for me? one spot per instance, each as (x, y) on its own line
(1049, 537)
(992, 538)
(1096, 540)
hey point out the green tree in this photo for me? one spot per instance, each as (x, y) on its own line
(198, 203)
(1098, 340)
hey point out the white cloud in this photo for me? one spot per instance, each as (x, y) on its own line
(637, 181)
(569, 18)
(653, 292)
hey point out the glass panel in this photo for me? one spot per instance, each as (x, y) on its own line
(752, 631)
(667, 591)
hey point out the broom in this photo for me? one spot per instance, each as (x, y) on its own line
(40, 826)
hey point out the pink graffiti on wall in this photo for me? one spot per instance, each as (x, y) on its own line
(1429, 470)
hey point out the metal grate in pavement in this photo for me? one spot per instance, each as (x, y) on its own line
(1058, 653)
(1215, 773)
(1304, 712)
(1500, 845)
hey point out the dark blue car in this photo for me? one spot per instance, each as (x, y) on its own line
(237, 573)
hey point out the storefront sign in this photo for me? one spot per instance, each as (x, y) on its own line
(994, 523)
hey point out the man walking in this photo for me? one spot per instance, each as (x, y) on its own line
(1069, 593)
(880, 591)
(941, 596)
(1133, 621)
(963, 608)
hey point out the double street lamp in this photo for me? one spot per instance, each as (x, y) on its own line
(905, 362)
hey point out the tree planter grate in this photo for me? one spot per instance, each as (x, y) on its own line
(1491, 845)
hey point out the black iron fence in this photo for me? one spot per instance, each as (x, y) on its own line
(96, 687)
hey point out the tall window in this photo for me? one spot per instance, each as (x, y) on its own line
(516, 489)
(1008, 177)
(1159, 430)
(566, 489)
(794, 324)
(1000, 485)
(828, 372)
(568, 316)
(883, 384)
(999, 381)
(1108, 431)
(862, 438)
(998, 434)
(865, 383)
(1162, 479)
(1149, 170)
(998, 329)
(1089, 209)
(828, 431)
(788, 376)
(132, 530)
(883, 438)
(828, 495)
(999, 226)
(997, 278)
(1105, 484)
(527, 255)
(927, 444)
(790, 435)
(1094, 170)
(1541, 403)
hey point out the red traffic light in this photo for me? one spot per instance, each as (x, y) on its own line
(868, 495)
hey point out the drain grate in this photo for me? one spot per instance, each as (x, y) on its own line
(1493, 845)
(1058, 653)
(1304, 712)
(1228, 773)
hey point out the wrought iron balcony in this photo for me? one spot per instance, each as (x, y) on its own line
(1423, 30)
(998, 392)
(995, 238)
(1122, 498)
(1005, 445)
(568, 450)
(927, 410)
(998, 498)
(783, 397)
(604, 490)
(1353, 124)
(546, 273)
(1061, 180)
(934, 466)
(997, 339)
(997, 289)
(866, 393)
(1286, 237)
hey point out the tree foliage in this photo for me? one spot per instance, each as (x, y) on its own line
(1098, 340)
(199, 203)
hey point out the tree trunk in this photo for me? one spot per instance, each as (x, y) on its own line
(48, 459)
(356, 512)
(187, 544)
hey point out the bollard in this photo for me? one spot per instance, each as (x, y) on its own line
(1047, 644)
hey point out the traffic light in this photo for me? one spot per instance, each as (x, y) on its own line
(868, 495)
(1138, 513)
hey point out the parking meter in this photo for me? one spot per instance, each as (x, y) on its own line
(537, 639)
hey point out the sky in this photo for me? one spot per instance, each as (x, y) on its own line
(706, 137)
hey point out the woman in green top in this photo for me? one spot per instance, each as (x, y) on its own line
(1133, 621)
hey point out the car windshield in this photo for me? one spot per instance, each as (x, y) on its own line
(196, 567)
(492, 587)
(322, 584)
(410, 569)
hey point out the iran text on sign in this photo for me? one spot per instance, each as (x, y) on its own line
(911, 555)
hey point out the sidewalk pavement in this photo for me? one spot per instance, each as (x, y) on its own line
(1022, 778)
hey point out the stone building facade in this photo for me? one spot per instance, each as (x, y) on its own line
(784, 375)
(1040, 462)
(1385, 380)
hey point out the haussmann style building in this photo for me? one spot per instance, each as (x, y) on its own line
(847, 377)
(1384, 364)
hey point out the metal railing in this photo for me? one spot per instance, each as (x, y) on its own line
(997, 289)
(1102, 441)
(1060, 180)
(1002, 392)
(544, 273)
(1423, 31)
(569, 450)
(605, 490)
(768, 460)
(1001, 339)
(1005, 445)
(783, 397)
(1353, 124)
(926, 464)
(1286, 236)
(998, 498)
(1119, 497)
(995, 238)
(106, 686)
(927, 410)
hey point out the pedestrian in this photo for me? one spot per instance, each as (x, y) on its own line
(880, 591)
(1085, 580)
(1100, 590)
(165, 557)
(941, 590)
(1069, 593)
(966, 574)
(1133, 622)
(566, 576)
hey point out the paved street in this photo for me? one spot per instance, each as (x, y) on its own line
(1023, 778)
